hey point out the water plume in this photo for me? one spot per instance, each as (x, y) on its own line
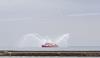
(35, 40)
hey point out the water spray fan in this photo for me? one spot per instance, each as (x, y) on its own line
(40, 41)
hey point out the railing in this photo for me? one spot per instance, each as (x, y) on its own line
(49, 53)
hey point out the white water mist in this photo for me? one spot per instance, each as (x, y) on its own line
(35, 40)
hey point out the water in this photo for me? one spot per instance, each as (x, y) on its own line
(71, 48)
(35, 40)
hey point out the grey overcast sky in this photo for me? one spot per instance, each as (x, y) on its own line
(53, 18)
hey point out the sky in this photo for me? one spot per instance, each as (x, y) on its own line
(52, 18)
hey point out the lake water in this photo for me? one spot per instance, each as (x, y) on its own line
(73, 48)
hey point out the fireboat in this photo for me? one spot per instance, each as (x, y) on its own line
(49, 45)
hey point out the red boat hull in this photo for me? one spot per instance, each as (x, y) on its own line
(50, 45)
